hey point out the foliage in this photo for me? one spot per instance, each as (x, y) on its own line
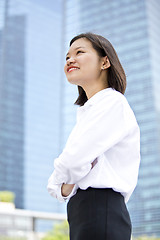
(59, 232)
(7, 196)
(146, 238)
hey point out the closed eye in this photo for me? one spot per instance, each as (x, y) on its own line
(79, 51)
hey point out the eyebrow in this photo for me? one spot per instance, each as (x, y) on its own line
(75, 49)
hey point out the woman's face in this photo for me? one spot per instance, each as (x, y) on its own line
(83, 65)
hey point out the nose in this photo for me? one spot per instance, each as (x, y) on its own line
(70, 61)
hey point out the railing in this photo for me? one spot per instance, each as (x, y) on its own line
(30, 225)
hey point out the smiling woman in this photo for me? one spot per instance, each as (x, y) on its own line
(84, 58)
(98, 169)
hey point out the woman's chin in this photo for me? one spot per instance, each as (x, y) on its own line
(73, 81)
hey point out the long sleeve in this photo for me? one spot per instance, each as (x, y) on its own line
(55, 190)
(98, 130)
(103, 149)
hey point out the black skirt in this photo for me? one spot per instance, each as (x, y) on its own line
(98, 214)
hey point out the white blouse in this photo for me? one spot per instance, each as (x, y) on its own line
(103, 149)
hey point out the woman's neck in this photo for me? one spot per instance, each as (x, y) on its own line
(91, 91)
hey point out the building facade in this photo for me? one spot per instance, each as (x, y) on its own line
(132, 26)
(30, 88)
(36, 101)
(12, 107)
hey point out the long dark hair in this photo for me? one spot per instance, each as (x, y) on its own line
(116, 74)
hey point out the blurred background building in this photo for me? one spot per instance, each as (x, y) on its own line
(30, 87)
(36, 102)
(132, 26)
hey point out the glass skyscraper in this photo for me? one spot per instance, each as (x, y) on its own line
(12, 107)
(132, 26)
(30, 88)
(36, 101)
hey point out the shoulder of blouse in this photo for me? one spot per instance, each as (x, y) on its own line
(106, 100)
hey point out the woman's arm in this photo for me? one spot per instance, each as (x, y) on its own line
(66, 189)
(100, 129)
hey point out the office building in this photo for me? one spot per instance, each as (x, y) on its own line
(36, 101)
(30, 87)
(132, 26)
(12, 108)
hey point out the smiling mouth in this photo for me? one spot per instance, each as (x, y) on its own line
(72, 69)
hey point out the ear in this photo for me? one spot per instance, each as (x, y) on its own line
(105, 63)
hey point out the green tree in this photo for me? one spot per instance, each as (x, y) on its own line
(59, 232)
(146, 238)
(7, 196)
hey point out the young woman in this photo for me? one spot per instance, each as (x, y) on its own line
(98, 168)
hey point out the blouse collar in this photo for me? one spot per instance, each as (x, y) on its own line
(98, 96)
